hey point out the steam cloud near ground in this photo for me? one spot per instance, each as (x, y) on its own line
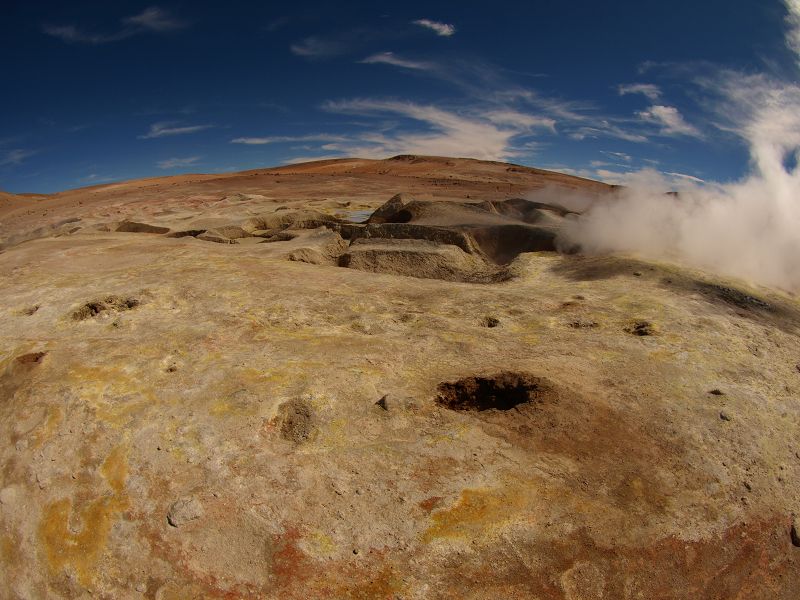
(749, 229)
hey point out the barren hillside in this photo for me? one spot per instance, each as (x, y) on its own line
(380, 379)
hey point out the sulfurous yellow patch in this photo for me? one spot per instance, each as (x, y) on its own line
(475, 514)
(52, 420)
(81, 550)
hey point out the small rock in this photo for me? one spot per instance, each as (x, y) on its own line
(583, 324)
(184, 510)
(716, 392)
(637, 274)
(382, 403)
(747, 486)
(795, 532)
(724, 416)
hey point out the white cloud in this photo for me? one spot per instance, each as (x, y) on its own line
(94, 178)
(618, 155)
(172, 163)
(389, 58)
(16, 157)
(653, 92)
(154, 19)
(636, 177)
(793, 20)
(315, 47)
(685, 176)
(279, 139)
(163, 129)
(603, 128)
(443, 29)
(670, 121)
(445, 133)
(520, 120)
(150, 20)
(303, 159)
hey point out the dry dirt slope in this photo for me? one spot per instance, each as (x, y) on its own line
(202, 417)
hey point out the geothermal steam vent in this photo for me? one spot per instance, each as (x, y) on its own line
(224, 386)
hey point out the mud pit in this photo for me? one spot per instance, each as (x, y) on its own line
(502, 391)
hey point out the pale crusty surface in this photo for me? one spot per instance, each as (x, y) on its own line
(235, 390)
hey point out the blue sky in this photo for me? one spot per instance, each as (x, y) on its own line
(99, 91)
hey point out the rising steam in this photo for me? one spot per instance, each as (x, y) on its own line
(749, 229)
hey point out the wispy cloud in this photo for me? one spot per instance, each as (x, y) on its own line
(484, 84)
(617, 155)
(670, 121)
(154, 19)
(150, 20)
(519, 120)
(602, 128)
(389, 58)
(436, 131)
(319, 47)
(164, 129)
(15, 157)
(280, 139)
(793, 31)
(443, 29)
(173, 163)
(94, 178)
(685, 176)
(653, 92)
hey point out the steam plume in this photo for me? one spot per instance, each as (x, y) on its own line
(749, 229)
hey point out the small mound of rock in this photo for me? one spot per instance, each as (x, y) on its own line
(109, 303)
(296, 420)
(135, 227)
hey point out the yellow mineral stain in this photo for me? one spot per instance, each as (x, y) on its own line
(81, 550)
(8, 549)
(475, 513)
(109, 389)
(52, 420)
(320, 544)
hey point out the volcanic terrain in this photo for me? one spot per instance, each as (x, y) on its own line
(382, 379)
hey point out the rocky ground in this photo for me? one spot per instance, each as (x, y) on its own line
(229, 387)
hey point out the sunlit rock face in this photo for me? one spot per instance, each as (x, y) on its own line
(238, 387)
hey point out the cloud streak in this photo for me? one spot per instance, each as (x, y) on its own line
(150, 20)
(164, 129)
(15, 157)
(487, 135)
(669, 120)
(173, 163)
(282, 139)
(441, 29)
(389, 58)
(653, 92)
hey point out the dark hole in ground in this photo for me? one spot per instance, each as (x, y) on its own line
(641, 328)
(502, 391)
(31, 358)
(490, 322)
